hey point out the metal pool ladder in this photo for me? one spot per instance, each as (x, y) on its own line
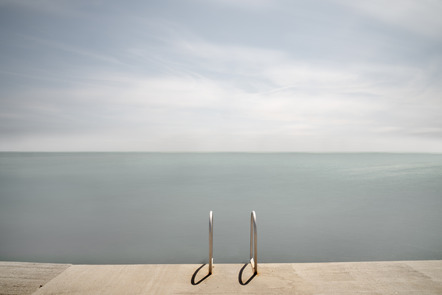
(210, 242)
(253, 243)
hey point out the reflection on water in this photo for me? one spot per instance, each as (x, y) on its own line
(153, 207)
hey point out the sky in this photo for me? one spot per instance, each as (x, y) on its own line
(221, 75)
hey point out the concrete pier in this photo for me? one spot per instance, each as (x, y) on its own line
(389, 277)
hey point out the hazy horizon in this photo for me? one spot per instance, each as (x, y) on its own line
(221, 152)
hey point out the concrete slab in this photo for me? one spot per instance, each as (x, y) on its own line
(26, 278)
(393, 277)
(406, 277)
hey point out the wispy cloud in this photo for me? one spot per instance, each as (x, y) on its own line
(245, 4)
(165, 85)
(421, 17)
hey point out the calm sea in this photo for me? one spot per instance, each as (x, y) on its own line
(154, 207)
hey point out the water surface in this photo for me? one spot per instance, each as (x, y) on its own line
(153, 207)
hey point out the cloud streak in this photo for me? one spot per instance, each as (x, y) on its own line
(155, 81)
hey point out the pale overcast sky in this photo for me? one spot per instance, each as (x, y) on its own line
(221, 75)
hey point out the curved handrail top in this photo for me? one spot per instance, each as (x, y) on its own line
(254, 216)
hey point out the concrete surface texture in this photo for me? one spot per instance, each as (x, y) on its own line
(396, 277)
(26, 278)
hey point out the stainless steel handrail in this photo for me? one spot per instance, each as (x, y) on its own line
(253, 243)
(210, 242)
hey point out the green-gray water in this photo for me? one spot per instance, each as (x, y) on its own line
(154, 207)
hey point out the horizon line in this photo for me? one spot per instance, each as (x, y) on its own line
(230, 152)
